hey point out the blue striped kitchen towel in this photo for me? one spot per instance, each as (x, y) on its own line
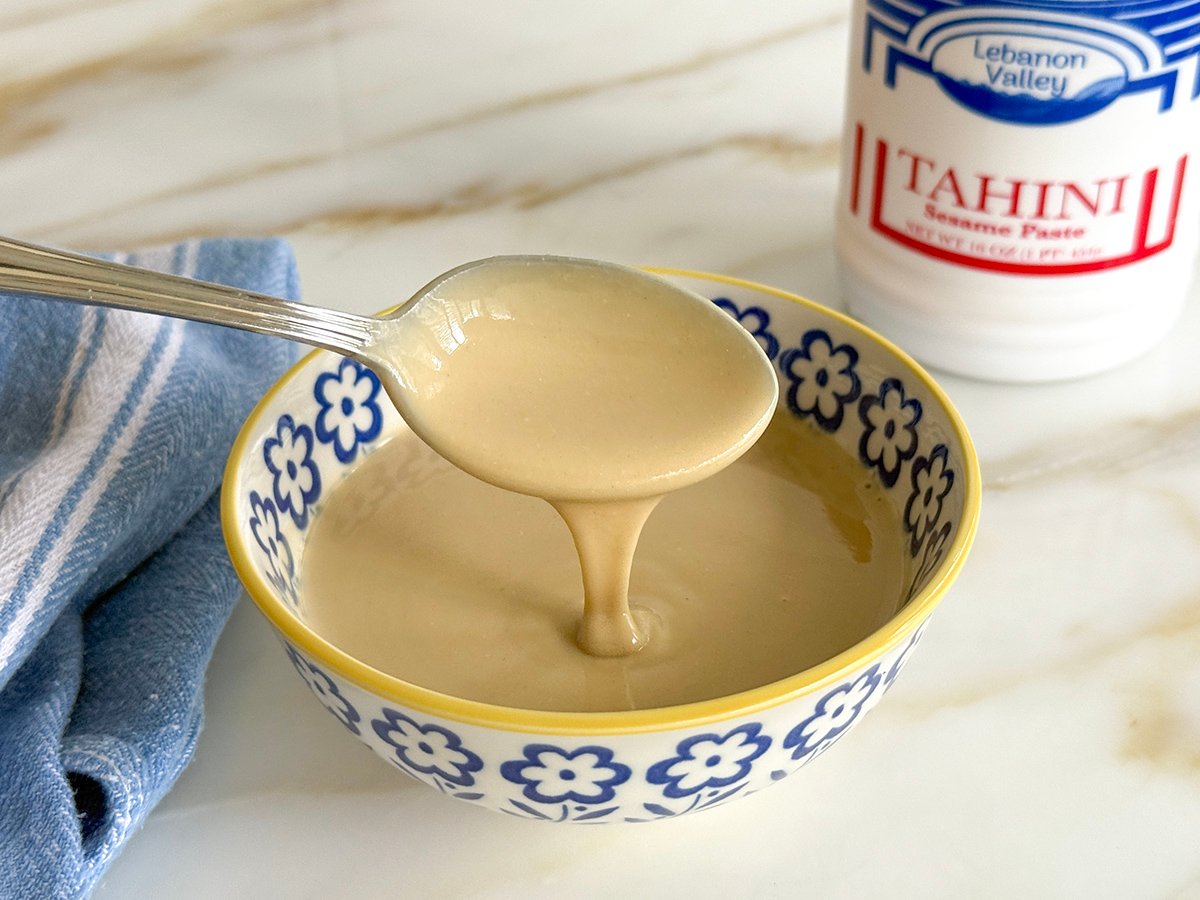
(114, 583)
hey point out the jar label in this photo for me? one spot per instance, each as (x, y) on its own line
(1034, 69)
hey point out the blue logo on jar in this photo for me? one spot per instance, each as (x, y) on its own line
(1019, 78)
(1035, 64)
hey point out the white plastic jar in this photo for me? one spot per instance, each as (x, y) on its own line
(1019, 180)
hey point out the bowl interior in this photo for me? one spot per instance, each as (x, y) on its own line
(850, 386)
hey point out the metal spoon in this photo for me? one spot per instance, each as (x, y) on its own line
(30, 269)
(410, 349)
(581, 340)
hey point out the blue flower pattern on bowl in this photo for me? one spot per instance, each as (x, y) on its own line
(890, 434)
(281, 565)
(430, 750)
(835, 712)
(576, 782)
(350, 415)
(931, 556)
(823, 378)
(755, 320)
(591, 783)
(932, 479)
(326, 690)
(550, 774)
(296, 479)
(348, 418)
(709, 761)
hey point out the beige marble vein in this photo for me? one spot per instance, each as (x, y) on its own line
(1112, 448)
(169, 48)
(779, 149)
(28, 14)
(466, 198)
(1077, 663)
(1162, 730)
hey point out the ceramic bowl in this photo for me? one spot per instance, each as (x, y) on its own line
(851, 385)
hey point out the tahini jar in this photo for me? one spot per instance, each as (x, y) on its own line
(1019, 181)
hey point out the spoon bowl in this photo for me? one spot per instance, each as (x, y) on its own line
(574, 379)
(475, 393)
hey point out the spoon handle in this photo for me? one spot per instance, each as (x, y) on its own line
(30, 269)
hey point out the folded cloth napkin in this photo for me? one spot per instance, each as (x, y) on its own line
(114, 583)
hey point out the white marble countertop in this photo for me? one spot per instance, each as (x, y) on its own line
(1044, 742)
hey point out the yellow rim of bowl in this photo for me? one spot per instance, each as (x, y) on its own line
(899, 627)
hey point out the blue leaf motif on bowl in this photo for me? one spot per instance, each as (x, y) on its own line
(890, 436)
(698, 802)
(709, 761)
(823, 378)
(326, 691)
(835, 712)
(350, 415)
(281, 565)
(755, 320)
(296, 479)
(563, 813)
(428, 749)
(550, 774)
(932, 479)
